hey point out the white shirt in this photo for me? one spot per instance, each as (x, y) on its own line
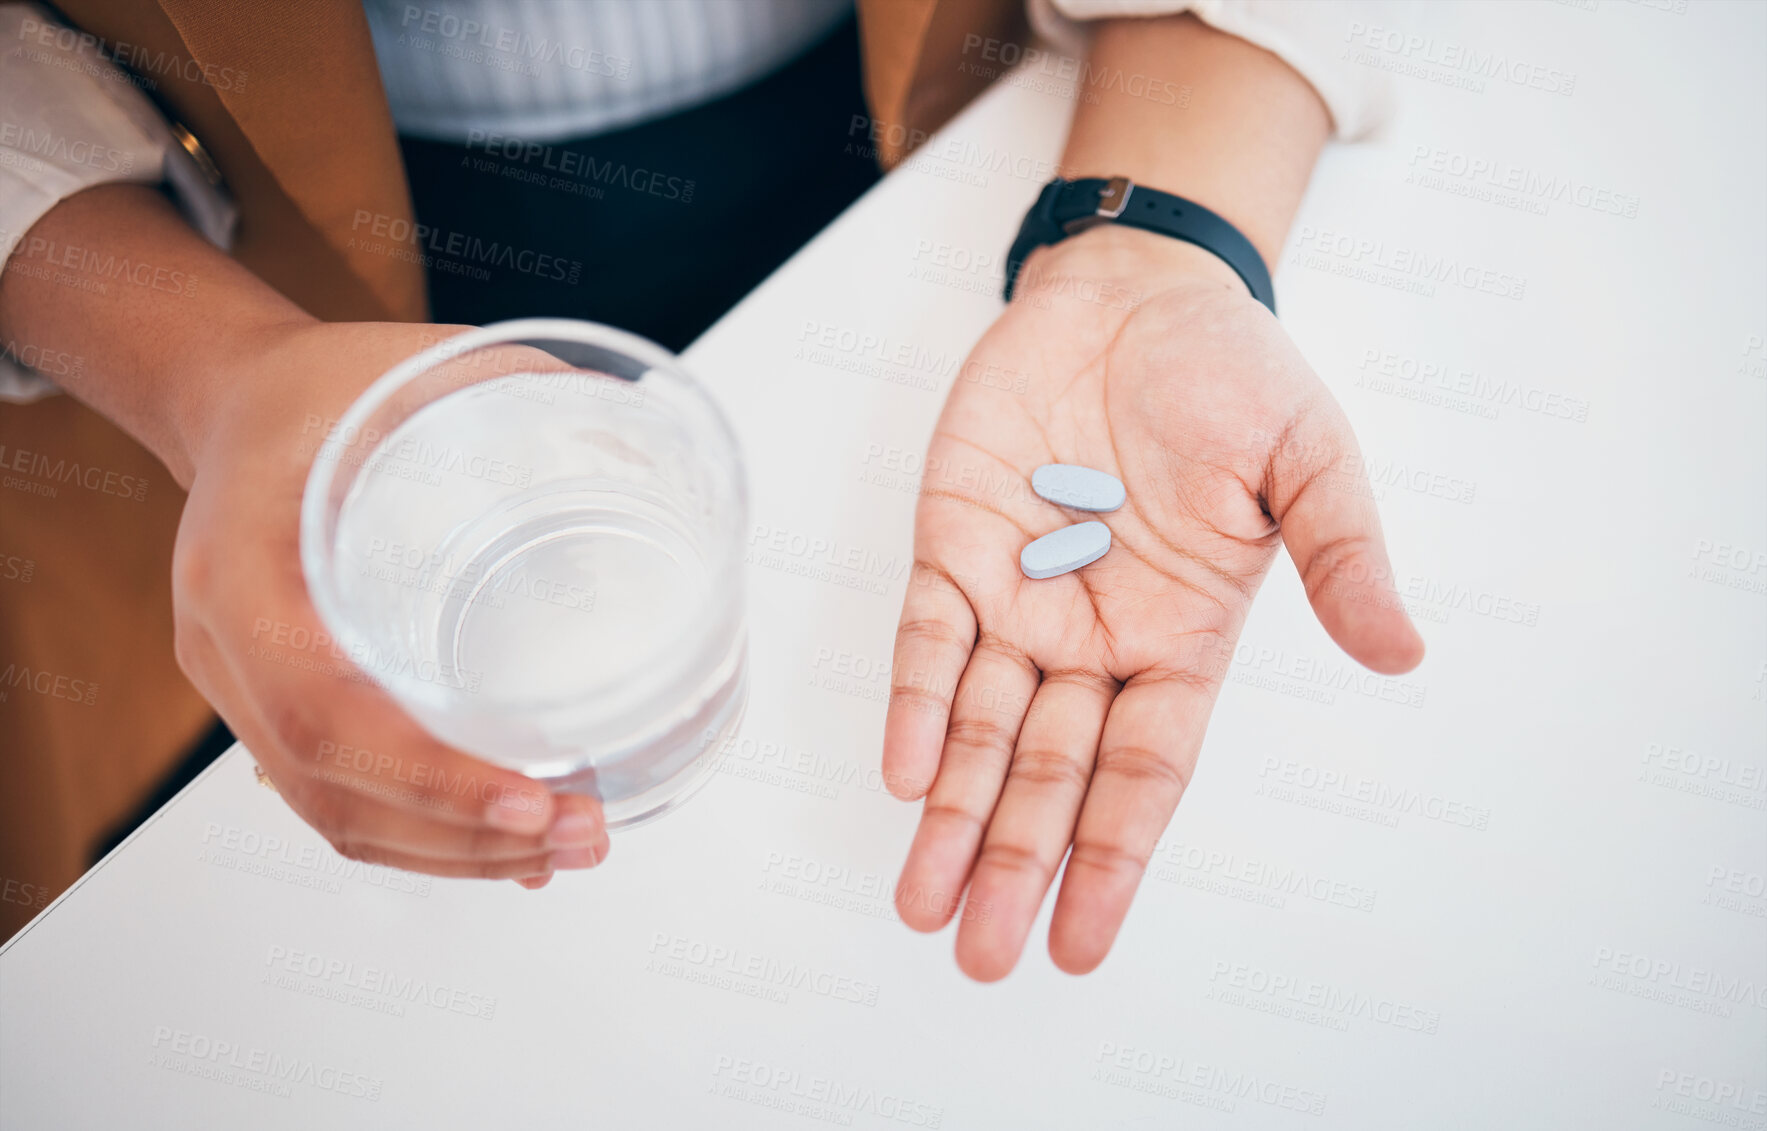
(69, 120)
(1308, 35)
(547, 71)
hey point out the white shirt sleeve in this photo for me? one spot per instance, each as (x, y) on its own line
(71, 119)
(1309, 35)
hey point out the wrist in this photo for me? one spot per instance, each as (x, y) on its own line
(1241, 141)
(1144, 262)
(162, 358)
(221, 375)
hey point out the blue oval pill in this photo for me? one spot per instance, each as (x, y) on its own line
(1065, 550)
(1082, 488)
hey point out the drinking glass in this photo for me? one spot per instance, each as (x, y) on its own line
(531, 536)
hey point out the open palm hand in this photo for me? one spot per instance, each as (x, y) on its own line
(1039, 717)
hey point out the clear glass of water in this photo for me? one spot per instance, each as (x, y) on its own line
(531, 536)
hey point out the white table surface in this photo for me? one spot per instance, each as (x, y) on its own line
(1323, 941)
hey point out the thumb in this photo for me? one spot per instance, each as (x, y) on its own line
(1317, 491)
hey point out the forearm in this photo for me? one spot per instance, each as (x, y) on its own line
(158, 316)
(1242, 143)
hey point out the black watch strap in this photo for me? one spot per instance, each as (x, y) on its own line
(1066, 208)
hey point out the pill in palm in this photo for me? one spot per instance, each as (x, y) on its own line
(1065, 550)
(1082, 488)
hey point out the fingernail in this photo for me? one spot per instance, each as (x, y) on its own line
(535, 883)
(518, 811)
(577, 857)
(574, 830)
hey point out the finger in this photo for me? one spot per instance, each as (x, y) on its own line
(321, 719)
(521, 868)
(351, 821)
(360, 825)
(1034, 822)
(933, 643)
(362, 828)
(305, 704)
(534, 883)
(1145, 759)
(578, 840)
(1320, 497)
(990, 706)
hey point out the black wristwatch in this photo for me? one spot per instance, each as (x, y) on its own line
(1066, 208)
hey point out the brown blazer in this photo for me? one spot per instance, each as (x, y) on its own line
(293, 114)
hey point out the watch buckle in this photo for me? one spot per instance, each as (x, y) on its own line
(1112, 199)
